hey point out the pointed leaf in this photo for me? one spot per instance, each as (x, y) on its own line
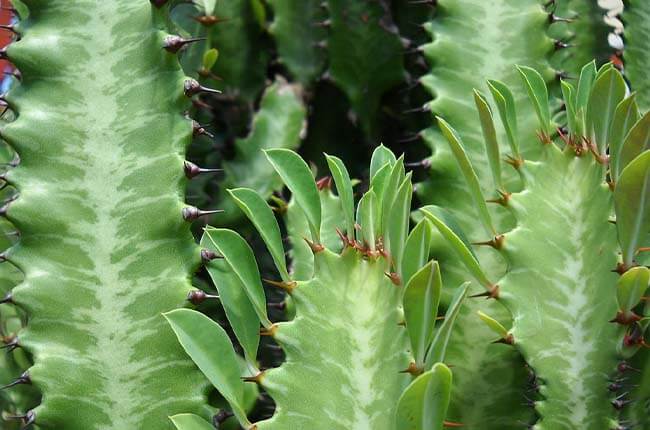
(344, 190)
(190, 422)
(538, 93)
(421, 299)
(632, 204)
(210, 348)
(631, 288)
(438, 349)
(636, 142)
(416, 249)
(368, 219)
(209, 6)
(424, 403)
(386, 199)
(397, 227)
(262, 217)
(625, 116)
(494, 325)
(210, 58)
(568, 94)
(608, 91)
(490, 137)
(507, 111)
(380, 178)
(239, 256)
(380, 157)
(469, 174)
(298, 178)
(585, 83)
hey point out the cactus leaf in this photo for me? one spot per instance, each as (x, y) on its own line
(631, 288)
(344, 190)
(421, 299)
(388, 194)
(397, 224)
(240, 258)
(490, 137)
(380, 157)
(438, 349)
(210, 348)
(632, 203)
(469, 174)
(494, 325)
(210, 58)
(568, 93)
(636, 142)
(416, 249)
(368, 219)
(423, 406)
(298, 178)
(585, 84)
(190, 422)
(625, 117)
(538, 94)
(608, 91)
(261, 215)
(505, 102)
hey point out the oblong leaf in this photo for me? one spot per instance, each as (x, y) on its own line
(368, 219)
(438, 348)
(424, 403)
(469, 174)
(262, 217)
(568, 94)
(538, 93)
(344, 190)
(387, 197)
(190, 422)
(380, 157)
(625, 116)
(298, 178)
(632, 204)
(490, 138)
(397, 226)
(239, 256)
(420, 301)
(636, 142)
(608, 91)
(416, 249)
(493, 324)
(507, 111)
(631, 288)
(210, 348)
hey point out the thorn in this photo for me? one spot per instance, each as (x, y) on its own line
(199, 130)
(514, 162)
(287, 286)
(323, 24)
(508, 340)
(207, 255)
(269, 331)
(11, 343)
(324, 183)
(193, 87)
(412, 138)
(23, 379)
(421, 109)
(196, 297)
(413, 369)
(209, 20)
(496, 242)
(491, 293)
(558, 44)
(315, 247)
(553, 18)
(192, 170)
(452, 424)
(256, 378)
(621, 268)
(29, 418)
(344, 238)
(426, 163)
(394, 278)
(191, 213)
(7, 299)
(624, 318)
(175, 43)
(619, 403)
(624, 366)
(503, 199)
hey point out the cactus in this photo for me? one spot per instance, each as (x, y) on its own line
(103, 247)
(636, 18)
(365, 371)
(561, 255)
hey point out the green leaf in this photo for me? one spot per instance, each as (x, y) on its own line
(190, 422)
(568, 94)
(368, 219)
(262, 217)
(209, 347)
(380, 178)
(625, 117)
(438, 349)
(416, 250)
(632, 204)
(238, 308)
(490, 137)
(259, 12)
(538, 93)
(380, 157)
(344, 190)
(608, 91)
(494, 325)
(209, 6)
(210, 58)
(296, 175)
(421, 299)
(387, 197)
(239, 256)
(636, 142)
(424, 403)
(585, 82)
(507, 111)
(397, 226)
(631, 288)
(469, 174)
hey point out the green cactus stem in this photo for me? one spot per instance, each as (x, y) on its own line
(636, 18)
(104, 248)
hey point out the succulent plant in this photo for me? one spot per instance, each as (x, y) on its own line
(562, 257)
(104, 247)
(636, 18)
(364, 350)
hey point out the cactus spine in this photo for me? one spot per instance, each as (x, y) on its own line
(104, 249)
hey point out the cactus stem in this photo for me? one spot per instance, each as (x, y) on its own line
(191, 213)
(196, 297)
(192, 87)
(496, 242)
(286, 286)
(394, 278)
(192, 170)
(175, 43)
